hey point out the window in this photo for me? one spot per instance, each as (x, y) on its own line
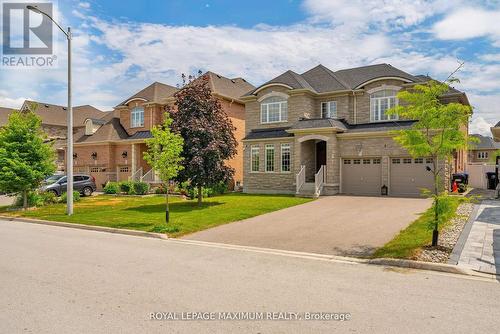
(376, 161)
(396, 161)
(366, 161)
(419, 160)
(78, 178)
(329, 109)
(273, 110)
(407, 161)
(270, 158)
(347, 161)
(124, 169)
(356, 161)
(285, 158)
(95, 169)
(429, 160)
(255, 162)
(137, 117)
(482, 155)
(380, 102)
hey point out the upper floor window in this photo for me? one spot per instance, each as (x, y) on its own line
(274, 109)
(329, 109)
(380, 102)
(137, 117)
(482, 155)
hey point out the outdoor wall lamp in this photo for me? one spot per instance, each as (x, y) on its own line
(94, 155)
(124, 154)
(359, 149)
(75, 155)
(384, 190)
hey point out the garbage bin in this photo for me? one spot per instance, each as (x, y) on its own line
(460, 178)
(492, 180)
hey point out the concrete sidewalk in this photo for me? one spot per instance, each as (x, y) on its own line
(481, 251)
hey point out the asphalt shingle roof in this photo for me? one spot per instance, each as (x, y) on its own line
(4, 115)
(234, 88)
(315, 123)
(268, 133)
(141, 135)
(110, 131)
(153, 93)
(484, 143)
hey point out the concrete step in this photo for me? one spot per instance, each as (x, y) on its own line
(307, 190)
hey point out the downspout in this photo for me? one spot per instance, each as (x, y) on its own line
(355, 106)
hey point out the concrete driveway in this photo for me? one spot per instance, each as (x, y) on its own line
(339, 225)
(6, 200)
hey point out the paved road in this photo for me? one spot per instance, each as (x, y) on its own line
(63, 280)
(339, 225)
(482, 248)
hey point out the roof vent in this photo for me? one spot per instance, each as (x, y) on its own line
(233, 81)
(218, 76)
(46, 106)
(64, 108)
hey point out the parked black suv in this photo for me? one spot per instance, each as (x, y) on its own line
(85, 184)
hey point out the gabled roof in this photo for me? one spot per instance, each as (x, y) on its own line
(321, 79)
(497, 125)
(53, 114)
(233, 88)
(112, 130)
(484, 143)
(153, 93)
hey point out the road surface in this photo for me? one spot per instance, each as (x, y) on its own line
(64, 280)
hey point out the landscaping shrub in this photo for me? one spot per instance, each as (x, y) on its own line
(161, 189)
(192, 192)
(34, 199)
(125, 186)
(76, 197)
(111, 188)
(218, 189)
(140, 188)
(49, 198)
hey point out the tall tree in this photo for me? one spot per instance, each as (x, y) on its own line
(439, 132)
(26, 158)
(208, 134)
(164, 154)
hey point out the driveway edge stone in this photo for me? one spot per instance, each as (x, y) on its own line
(88, 227)
(459, 246)
(442, 267)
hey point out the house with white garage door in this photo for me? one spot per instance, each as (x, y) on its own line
(327, 132)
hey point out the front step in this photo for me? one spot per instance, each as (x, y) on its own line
(307, 190)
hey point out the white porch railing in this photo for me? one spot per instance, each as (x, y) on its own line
(150, 177)
(300, 179)
(136, 176)
(319, 180)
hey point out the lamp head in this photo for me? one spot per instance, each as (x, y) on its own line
(34, 8)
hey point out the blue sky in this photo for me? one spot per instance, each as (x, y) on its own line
(122, 46)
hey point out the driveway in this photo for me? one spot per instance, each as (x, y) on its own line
(481, 250)
(338, 225)
(6, 200)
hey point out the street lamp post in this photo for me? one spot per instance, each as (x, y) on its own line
(69, 118)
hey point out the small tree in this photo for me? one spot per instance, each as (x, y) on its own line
(26, 158)
(439, 132)
(164, 155)
(207, 132)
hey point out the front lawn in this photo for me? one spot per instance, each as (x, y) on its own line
(417, 234)
(148, 213)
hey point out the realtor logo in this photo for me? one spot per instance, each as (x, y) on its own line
(27, 36)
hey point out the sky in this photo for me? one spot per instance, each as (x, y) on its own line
(120, 47)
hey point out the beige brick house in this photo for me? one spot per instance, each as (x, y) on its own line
(483, 150)
(326, 132)
(111, 148)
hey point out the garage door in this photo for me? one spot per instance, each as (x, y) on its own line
(361, 176)
(408, 176)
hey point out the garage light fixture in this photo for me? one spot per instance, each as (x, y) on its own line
(94, 155)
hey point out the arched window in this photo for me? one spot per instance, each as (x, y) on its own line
(380, 102)
(274, 109)
(137, 117)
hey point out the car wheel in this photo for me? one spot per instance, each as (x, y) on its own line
(87, 191)
(54, 192)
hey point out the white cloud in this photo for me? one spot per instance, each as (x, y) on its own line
(468, 23)
(84, 5)
(480, 126)
(9, 102)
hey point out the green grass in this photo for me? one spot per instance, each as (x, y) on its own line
(418, 234)
(148, 213)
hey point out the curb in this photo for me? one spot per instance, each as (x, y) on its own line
(88, 227)
(442, 267)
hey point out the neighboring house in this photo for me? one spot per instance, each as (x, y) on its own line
(495, 131)
(327, 132)
(112, 149)
(483, 151)
(54, 121)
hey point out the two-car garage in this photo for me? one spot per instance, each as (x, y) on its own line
(406, 176)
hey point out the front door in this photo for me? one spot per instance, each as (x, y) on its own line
(320, 154)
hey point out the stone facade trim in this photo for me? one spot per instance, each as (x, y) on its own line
(381, 78)
(313, 137)
(271, 94)
(270, 85)
(383, 87)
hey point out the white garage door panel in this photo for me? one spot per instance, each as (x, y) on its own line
(409, 176)
(361, 176)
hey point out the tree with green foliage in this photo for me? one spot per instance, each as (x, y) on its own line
(26, 157)
(208, 135)
(440, 131)
(164, 154)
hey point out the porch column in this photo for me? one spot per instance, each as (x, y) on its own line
(134, 163)
(332, 161)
